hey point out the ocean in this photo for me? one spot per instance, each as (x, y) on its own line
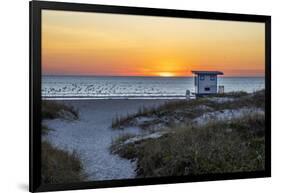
(105, 87)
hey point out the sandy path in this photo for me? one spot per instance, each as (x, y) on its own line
(91, 136)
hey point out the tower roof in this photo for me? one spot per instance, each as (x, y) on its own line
(207, 72)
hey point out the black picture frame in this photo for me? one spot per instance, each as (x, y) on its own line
(35, 93)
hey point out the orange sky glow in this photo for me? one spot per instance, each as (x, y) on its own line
(79, 43)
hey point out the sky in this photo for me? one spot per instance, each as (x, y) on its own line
(98, 44)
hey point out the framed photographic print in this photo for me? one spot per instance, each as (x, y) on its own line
(125, 96)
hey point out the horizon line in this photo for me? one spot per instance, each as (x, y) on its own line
(89, 75)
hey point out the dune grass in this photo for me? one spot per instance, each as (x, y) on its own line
(233, 94)
(116, 147)
(59, 166)
(217, 147)
(53, 109)
(235, 145)
(189, 108)
(164, 109)
(45, 129)
(255, 99)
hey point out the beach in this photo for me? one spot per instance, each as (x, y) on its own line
(136, 138)
(91, 135)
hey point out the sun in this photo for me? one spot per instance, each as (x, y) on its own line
(166, 74)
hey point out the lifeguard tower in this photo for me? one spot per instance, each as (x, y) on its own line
(206, 82)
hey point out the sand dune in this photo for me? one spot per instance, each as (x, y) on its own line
(91, 135)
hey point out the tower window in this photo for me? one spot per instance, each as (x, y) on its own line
(212, 77)
(207, 88)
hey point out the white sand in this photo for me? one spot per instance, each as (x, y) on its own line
(91, 136)
(226, 115)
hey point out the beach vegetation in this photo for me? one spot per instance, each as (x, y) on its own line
(45, 129)
(60, 166)
(190, 109)
(54, 109)
(217, 146)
